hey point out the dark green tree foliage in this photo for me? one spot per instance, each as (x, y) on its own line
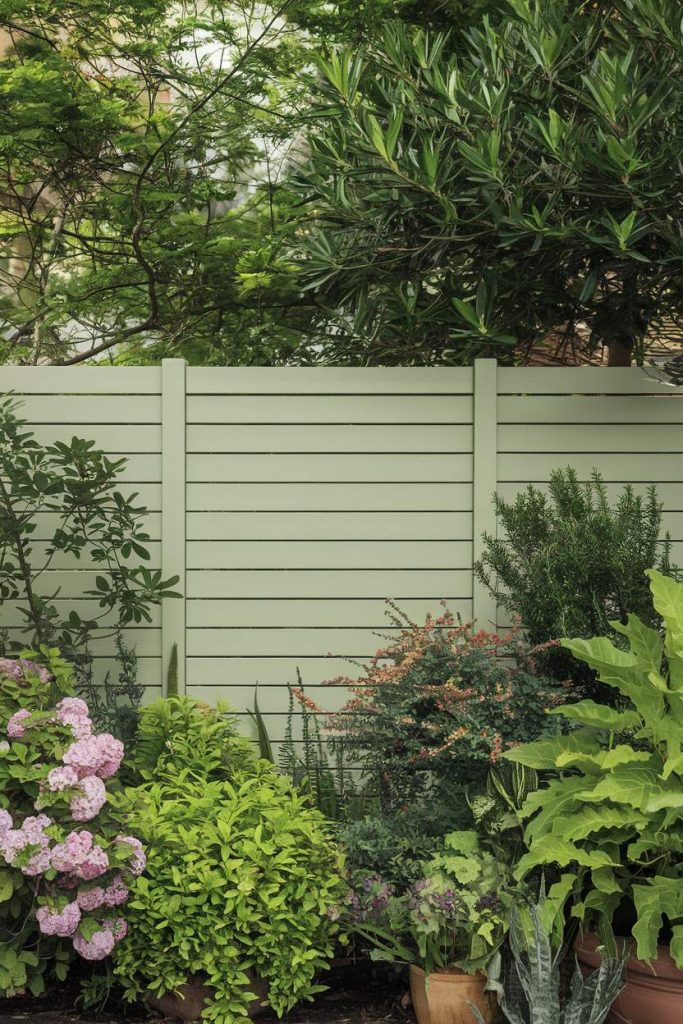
(471, 194)
(137, 199)
(568, 562)
(356, 20)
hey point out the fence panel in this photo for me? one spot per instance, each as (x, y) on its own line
(292, 502)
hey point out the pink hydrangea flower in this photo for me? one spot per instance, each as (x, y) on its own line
(138, 860)
(78, 855)
(18, 668)
(95, 948)
(116, 892)
(14, 727)
(63, 923)
(90, 899)
(31, 834)
(90, 800)
(61, 778)
(73, 712)
(95, 755)
(6, 822)
(118, 928)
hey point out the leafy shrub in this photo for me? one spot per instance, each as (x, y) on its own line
(62, 886)
(610, 818)
(395, 846)
(568, 563)
(177, 733)
(72, 488)
(242, 878)
(454, 916)
(437, 707)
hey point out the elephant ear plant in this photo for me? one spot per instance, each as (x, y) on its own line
(611, 817)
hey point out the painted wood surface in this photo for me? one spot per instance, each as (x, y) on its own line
(292, 502)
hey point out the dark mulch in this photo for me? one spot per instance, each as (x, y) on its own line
(356, 995)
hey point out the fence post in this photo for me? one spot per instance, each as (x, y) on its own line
(485, 478)
(173, 513)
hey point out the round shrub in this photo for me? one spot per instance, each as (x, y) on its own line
(64, 871)
(437, 707)
(241, 884)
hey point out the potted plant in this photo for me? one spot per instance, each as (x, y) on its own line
(529, 982)
(611, 817)
(237, 907)
(447, 928)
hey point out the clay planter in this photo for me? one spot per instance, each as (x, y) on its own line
(187, 1003)
(444, 998)
(654, 991)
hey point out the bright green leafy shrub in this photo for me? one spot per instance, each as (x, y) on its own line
(612, 817)
(179, 733)
(242, 873)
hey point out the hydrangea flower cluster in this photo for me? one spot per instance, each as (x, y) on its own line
(79, 876)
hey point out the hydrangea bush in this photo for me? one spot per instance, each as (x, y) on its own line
(64, 871)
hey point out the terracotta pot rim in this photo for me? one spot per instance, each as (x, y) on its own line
(452, 975)
(663, 967)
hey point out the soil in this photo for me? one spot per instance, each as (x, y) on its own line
(356, 995)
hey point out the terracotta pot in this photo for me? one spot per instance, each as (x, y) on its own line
(654, 991)
(187, 1003)
(444, 998)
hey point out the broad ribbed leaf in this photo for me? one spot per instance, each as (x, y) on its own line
(544, 753)
(645, 643)
(667, 597)
(633, 785)
(594, 819)
(605, 760)
(561, 798)
(550, 849)
(599, 716)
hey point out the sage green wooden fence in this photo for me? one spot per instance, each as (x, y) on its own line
(291, 502)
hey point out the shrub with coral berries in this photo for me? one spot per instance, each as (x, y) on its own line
(437, 707)
(64, 871)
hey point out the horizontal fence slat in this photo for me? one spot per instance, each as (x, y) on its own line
(334, 497)
(330, 468)
(364, 437)
(372, 583)
(81, 380)
(611, 439)
(586, 380)
(276, 671)
(110, 437)
(536, 466)
(287, 643)
(80, 411)
(329, 380)
(283, 613)
(575, 409)
(328, 525)
(273, 700)
(311, 554)
(318, 409)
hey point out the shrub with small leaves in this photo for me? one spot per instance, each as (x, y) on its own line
(241, 882)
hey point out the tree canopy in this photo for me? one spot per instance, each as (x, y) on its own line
(379, 181)
(472, 198)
